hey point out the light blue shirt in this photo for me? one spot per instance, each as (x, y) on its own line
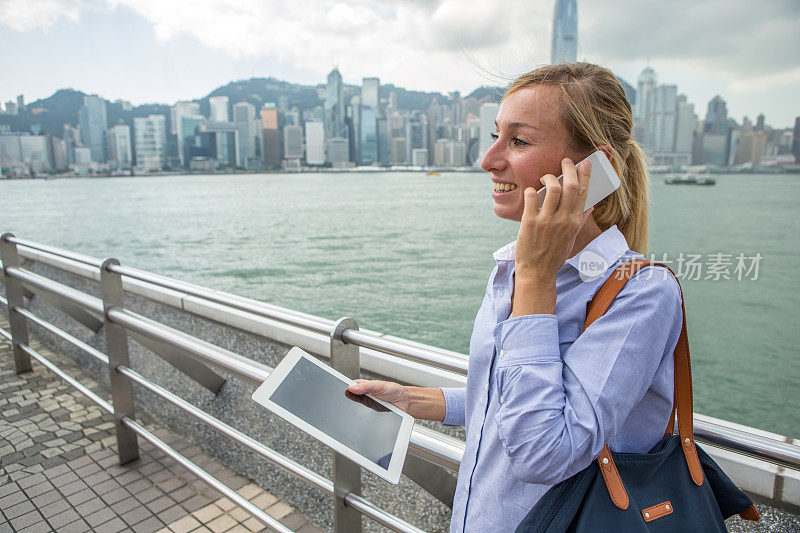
(541, 399)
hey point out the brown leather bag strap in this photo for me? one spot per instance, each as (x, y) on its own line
(599, 304)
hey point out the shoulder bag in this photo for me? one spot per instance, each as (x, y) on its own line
(674, 487)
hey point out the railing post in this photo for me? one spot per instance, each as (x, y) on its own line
(16, 298)
(346, 473)
(117, 350)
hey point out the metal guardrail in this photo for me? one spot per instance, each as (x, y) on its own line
(190, 355)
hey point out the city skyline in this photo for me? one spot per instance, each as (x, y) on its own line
(166, 54)
(259, 124)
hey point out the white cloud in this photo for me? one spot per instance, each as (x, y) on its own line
(418, 44)
(25, 15)
(761, 83)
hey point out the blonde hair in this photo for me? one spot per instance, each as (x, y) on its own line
(596, 112)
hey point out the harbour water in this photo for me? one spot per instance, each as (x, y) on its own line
(409, 254)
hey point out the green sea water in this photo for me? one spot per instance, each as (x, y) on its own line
(409, 254)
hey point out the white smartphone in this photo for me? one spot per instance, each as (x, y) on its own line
(603, 181)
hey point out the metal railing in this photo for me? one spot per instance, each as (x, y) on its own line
(432, 456)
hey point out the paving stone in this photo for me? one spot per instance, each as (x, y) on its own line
(59, 456)
(79, 497)
(36, 490)
(39, 527)
(136, 515)
(100, 517)
(12, 499)
(125, 505)
(279, 510)
(56, 507)
(90, 506)
(26, 520)
(221, 523)
(62, 519)
(78, 526)
(185, 524)
(146, 526)
(171, 514)
(294, 521)
(112, 526)
(46, 498)
(18, 509)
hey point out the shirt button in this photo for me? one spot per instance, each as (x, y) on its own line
(501, 398)
(502, 354)
(477, 436)
(486, 386)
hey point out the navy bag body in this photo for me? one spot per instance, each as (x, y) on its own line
(676, 486)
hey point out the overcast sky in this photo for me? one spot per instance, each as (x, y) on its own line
(169, 50)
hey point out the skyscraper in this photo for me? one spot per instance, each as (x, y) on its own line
(292, 142)
(218, 109)
(334, 107)
(94, 122)
(271, 152)
(717, 116)
(488, 114)
(119, 146)
(315, 142)
(685, 126)
(665, 107)
(370, 88)
(565, 32)
(644, 110)
(181, 109)
(796, 140)
(369, 135)
(150, 134)
(244, 118)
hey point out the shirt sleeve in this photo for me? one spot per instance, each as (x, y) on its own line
(455, 401)
(556, 413)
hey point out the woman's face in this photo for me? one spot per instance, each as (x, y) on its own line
(530, 142)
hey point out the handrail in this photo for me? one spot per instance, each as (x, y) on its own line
(436, 357)
(364, 506)
(440, 449)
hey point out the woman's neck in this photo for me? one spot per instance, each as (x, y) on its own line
(587, 234)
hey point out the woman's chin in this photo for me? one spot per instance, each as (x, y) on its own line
(507, 212)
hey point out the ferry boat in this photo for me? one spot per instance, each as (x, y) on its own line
(690, 179)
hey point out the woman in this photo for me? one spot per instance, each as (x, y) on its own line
(542, 398)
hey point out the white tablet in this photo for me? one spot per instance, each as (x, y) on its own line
(312, 396)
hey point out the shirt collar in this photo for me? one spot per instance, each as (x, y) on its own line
(609, 245)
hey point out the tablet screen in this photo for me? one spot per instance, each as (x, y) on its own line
(321, 399)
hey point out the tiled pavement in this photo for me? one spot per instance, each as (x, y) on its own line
(60, 471)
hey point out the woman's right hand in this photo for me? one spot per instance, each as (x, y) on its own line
(421, 403)
(393, 393)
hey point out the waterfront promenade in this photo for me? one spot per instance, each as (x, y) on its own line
(60, 470)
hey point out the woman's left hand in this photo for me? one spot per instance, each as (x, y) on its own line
(547, 235)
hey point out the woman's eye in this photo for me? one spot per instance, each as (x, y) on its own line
(518, 142)
(493, 136)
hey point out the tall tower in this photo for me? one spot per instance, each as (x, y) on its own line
(644, 110)
(565, 32)
(94, 122)
(334, 107)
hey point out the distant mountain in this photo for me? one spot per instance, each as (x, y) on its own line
(493, 93)
(49, 115)
(259, 91)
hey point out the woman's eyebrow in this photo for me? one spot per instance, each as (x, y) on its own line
(517, 125)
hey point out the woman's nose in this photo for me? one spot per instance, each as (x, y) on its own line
(493, 159)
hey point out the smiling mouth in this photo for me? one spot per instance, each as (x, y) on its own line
(504, 187)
